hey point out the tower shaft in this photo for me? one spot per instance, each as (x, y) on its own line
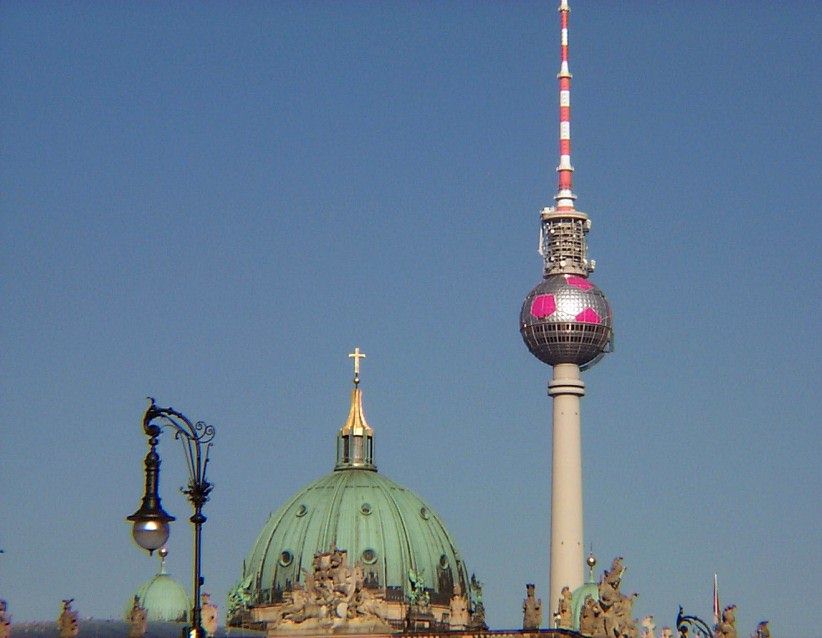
(567, 558)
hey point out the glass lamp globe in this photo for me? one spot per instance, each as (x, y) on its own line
(150, 533)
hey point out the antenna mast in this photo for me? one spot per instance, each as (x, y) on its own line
(565, 192)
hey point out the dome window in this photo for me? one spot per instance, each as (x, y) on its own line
(285, 558)
(369, 556)
(301, 510)
(365, 508)
(444, 562)
(424, 513)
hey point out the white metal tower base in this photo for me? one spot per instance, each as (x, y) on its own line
(567, 560)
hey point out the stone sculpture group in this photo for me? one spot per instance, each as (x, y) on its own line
(334, 595)
(609, 617)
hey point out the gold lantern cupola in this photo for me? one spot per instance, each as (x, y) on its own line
(355, 440)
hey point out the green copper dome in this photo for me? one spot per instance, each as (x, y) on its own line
(163, 598)
(578, 600)
(380, 524)
(587, 589)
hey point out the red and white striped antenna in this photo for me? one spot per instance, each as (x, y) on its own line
(565, 194)
(563, 227)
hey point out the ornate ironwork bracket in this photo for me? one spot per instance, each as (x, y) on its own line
(685, 622)
(196, 441)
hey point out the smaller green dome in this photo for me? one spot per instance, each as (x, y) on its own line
(163, 598)
(578, 597)
(581, 594)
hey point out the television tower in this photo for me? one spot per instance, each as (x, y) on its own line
(566, 322)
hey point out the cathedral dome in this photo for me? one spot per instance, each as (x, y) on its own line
(398, 544)
(163, 598)
(379, 523)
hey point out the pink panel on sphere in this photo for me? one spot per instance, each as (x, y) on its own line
(589, 315)
(543, 306)
(579, 282)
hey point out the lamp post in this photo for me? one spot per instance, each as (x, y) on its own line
(151, 529)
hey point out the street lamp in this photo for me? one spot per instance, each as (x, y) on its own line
(151, 529)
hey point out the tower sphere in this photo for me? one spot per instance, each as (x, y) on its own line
(566, 319)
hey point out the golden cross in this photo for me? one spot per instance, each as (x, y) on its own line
(356, 355)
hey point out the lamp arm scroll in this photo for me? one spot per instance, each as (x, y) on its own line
(683, 621)
(196, 441)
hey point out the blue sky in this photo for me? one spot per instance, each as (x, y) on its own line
(213, 203)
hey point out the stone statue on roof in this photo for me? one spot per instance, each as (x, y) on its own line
(208, 614)
(478, 610)
(5, 620)
(590, 617)
(648, 627)
(563, 614)
(726, 628)
(531, 609)
(239, 600)
(476, 589)
(137, 620)
(417, 596)
(67, 623)
(458, 615)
